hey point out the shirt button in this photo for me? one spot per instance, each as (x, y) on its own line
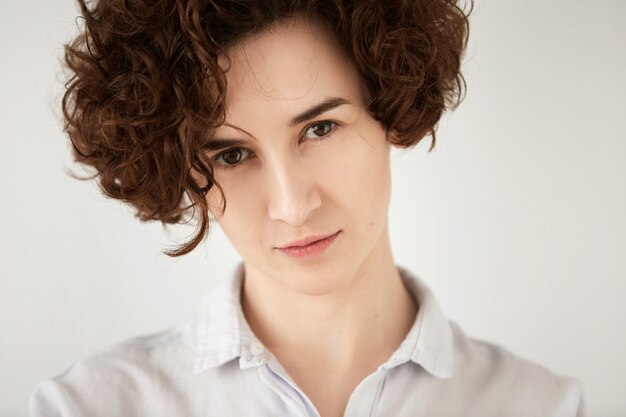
(256, 348)
(257, 361)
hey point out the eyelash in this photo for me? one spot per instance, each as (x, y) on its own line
(225, 166)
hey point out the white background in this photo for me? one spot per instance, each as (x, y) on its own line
(515, 220)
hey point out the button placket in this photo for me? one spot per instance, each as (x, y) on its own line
(283, 388)
(365, 398)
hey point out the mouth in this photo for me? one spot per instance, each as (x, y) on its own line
(313, 248)
(303, 242)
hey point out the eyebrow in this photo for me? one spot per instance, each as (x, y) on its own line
(325, 105)
(217, 144)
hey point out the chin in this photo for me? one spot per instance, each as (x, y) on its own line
(316, 280)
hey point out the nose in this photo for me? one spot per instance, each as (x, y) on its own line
(293, 191)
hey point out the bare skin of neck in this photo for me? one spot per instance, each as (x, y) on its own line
(328, 347)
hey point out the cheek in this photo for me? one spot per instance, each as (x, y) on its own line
(237, 195)
(238, 206)
(359, 173)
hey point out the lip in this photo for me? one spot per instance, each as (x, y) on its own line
(312, 249)
(305, 241)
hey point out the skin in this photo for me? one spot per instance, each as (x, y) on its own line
(333, 319)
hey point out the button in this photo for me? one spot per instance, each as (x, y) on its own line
(257, 362)
(256, 348)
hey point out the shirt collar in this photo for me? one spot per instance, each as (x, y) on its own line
(222, 333)
(429, 343)
(221, 330)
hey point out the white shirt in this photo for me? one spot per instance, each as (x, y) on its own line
(214, 365)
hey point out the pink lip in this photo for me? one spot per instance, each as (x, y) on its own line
(315, 246)
(305, 241)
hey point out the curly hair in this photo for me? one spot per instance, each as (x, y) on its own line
(145, 88)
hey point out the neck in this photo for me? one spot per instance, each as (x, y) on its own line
(365, 319)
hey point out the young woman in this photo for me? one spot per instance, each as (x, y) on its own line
(275, 119)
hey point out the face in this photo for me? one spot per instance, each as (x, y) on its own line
(290, 174)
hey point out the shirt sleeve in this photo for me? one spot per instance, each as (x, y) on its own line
(48, 399)
(78, 391)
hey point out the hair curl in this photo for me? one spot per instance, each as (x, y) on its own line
(145, 86)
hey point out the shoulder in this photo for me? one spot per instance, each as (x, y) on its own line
(135, 357)
(127, 371)
(511, 382)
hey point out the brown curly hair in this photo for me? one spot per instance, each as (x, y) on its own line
(145, 88)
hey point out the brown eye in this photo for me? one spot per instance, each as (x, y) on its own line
(320, 130)
(231, 158)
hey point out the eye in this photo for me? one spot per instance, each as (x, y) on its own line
(231, 157)
(321, 130)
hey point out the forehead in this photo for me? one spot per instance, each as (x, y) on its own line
(287, 68)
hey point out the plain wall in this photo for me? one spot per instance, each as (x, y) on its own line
(515, 220)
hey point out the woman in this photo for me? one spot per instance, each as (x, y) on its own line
(275, 119)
